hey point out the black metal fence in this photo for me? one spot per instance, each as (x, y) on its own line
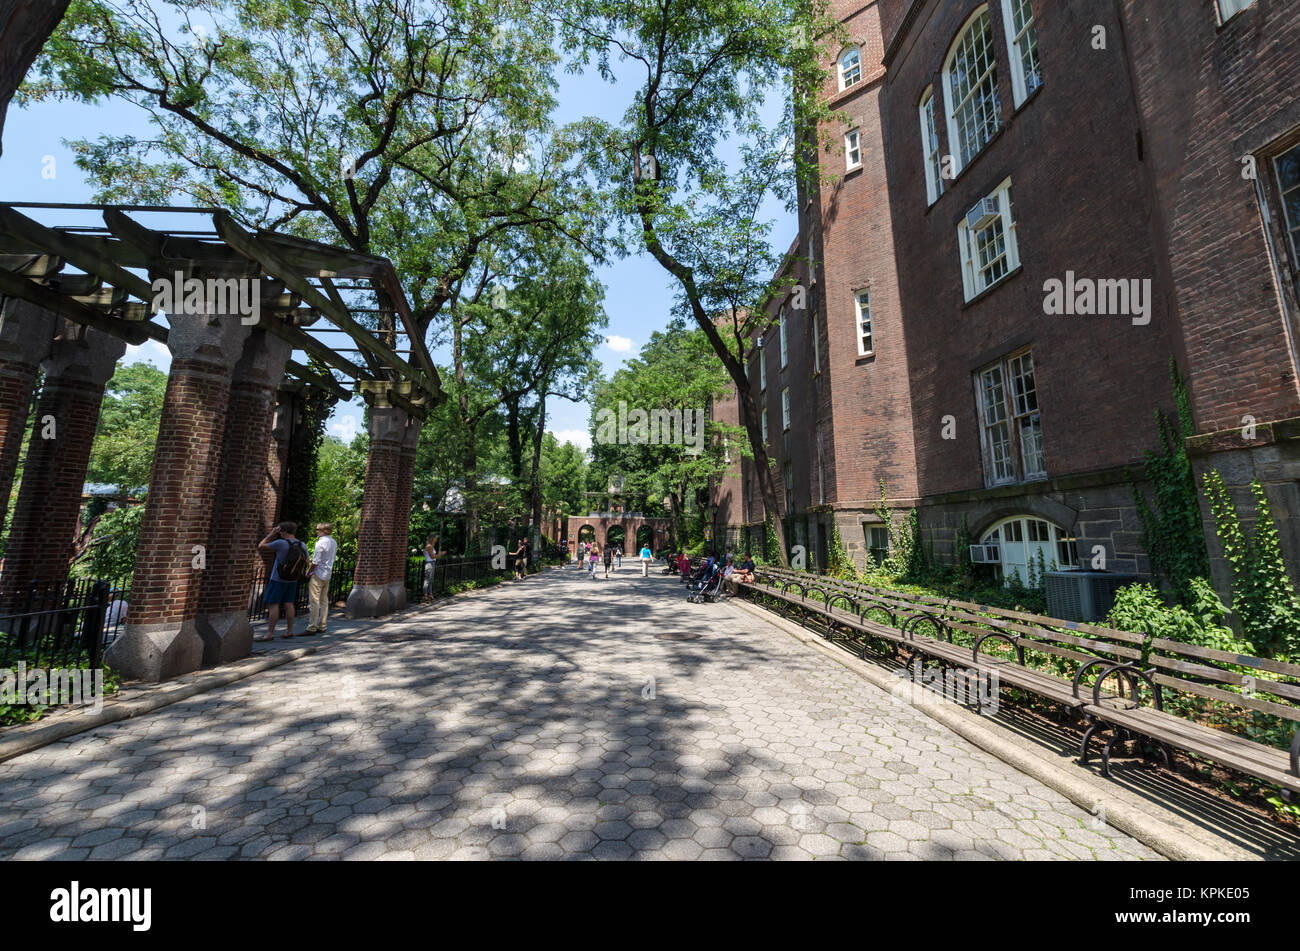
(65, 624)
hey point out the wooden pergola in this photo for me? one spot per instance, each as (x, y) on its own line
(312, 294)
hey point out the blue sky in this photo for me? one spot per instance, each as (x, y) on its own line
(36, 166)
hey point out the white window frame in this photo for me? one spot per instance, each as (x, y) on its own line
(1060, 547)
(846, 69)
(930, 148)
(973, 278)
(762, 370)
(1009, 408)
(866, 338)
(1020, 42)
(764, 423)
(785, 410)
(989, 77)
(852, 150)
(785, 349)
(816, 345)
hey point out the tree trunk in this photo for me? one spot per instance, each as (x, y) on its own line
(25, 25)
(537, 468)
(470, 458)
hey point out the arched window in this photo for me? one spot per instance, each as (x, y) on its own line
(850, 67)
(1025, 540)
(930, 148)
(970, 86)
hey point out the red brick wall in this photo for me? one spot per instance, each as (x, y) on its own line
(1082, 204)
(375, 536)
(49, 500)
(16, 383)
(1209, 95)
(402, 505)
(182, 492)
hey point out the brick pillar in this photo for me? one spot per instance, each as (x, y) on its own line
(45, 519)
(402, 510)
(161, 638)
(26, 332)
(277, 457)
(232, 556)
(374, 592)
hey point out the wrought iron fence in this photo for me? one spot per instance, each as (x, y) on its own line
(61, 624)
(432, 581)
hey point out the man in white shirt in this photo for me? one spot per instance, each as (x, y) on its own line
(318, 586)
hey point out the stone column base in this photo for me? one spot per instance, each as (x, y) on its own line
(155, 652)
(226, 637)
(369, 600)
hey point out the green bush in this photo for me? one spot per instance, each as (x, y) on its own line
(1140, 609)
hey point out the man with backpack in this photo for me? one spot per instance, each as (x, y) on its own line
(292, 565)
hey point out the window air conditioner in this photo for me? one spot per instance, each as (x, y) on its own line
(985, 212)
(984, 554)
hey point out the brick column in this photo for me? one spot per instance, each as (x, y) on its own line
(232, 556)
(49, 500)
(402, 511)
(277, 458)
(161, 638)
(26, 332)
(373, 590)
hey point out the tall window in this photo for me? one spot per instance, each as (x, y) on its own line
(821, 470)
(764, 420)
(816, 345)
(987, 240)
(785, 351)
(970, 82)
(785, 409)
(1011, 433)
(1287, 166)
(862, 307)
(877, 538)
(762, 369)
(850, 67)
(853, 150)
(1022, 48)
(930, 149)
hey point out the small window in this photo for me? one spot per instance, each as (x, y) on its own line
(762, 370)
(877, 543)
(850, 67)
(930, 149)
(853, 150)
(988, 245)
(764, 419)
(970, 82)
(785, 409)
(862, 307)
(1287, 168)
(785, 351)
(816, 345)
(1022, 48)
(1230, 8)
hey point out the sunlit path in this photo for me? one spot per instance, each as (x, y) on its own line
(558, 717)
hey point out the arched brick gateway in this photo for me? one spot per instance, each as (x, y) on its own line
(630, 524)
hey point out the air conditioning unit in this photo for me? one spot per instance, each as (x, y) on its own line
(1083, 595)
(985, 554)
(985, 212)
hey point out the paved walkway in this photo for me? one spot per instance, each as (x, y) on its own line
(559, 717)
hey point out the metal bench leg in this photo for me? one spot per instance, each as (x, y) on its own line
(1093, 725)
(1117, 736)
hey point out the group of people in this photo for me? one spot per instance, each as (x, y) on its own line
(732, 572)
(590, 554)
(293, 565)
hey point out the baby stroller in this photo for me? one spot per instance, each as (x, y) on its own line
(707, 589)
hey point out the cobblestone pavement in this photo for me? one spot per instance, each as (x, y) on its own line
(556, 718)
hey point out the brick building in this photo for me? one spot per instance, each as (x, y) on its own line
(1033, 208)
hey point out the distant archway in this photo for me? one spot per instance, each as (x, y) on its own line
(616, 536)
(586, 534)
(645, 538)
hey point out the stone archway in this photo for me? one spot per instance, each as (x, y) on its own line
(616, 536)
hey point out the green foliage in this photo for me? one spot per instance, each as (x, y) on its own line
(1139, 608)
(906, 555)
(13, 713)
(1263, 597)
(771, 542)
(112, 550)
(1172, 533)
(122, 453)
(839, 563)
(340, 476)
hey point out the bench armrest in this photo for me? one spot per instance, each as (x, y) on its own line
(1011, 639)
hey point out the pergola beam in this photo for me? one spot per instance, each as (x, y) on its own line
(75, 250)
(15, 285)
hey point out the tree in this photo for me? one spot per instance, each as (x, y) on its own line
(340, 474)
(25, 25)
(707, 68)
(563, 477)
(122, 453)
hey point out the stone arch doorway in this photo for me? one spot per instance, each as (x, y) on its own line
(616, 537)
(586, 534)
(645, 537)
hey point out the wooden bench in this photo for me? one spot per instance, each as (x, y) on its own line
(1004, 642)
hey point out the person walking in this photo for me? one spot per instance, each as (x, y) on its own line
(432, 553)
(609, 559)
(292, 564)
(645, 561)
(520, 555)
(318, 585)
(618, 557)
(594, 554)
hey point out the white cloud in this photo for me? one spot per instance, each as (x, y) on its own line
(344, 428)
(621, 344)
(151, 351)
(579, 437)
